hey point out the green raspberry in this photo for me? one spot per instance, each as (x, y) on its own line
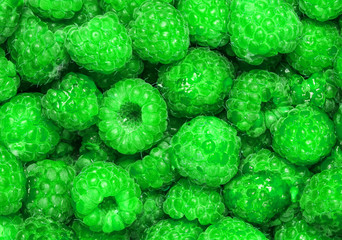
(257, 197)
(159, 32)
(332, 161)
(101, 45)
(62, 149)
(55, 10)
(10, 226)
(263, 28)
(170, 229)
(320, 41)
(338, 123)
(206, 149)
(73, 103)
(321, 201)
(10, 11)
(304, 136)
(105, 197)
(151, 214)
(38, 53)
(9, 80)
(132, 117)
(321, 10)
(198, 84)
(231, 228)
(186, 199)
(84, 233)
(39, 227)
(12, 183)
(49, 184)
(247, 97)
(338, 68)
(208, 21)
(298, 229)
(251, 145)
(24, 130)
(90, 9)
(154, 170)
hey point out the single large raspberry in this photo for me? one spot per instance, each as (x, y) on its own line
(206, 149)
(198, 84)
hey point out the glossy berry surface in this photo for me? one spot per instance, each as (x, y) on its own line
(206, 149)
(10, 11)
(321, 10)
(10, 226)
(198, 84)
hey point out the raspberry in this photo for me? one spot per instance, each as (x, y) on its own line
(206, 149)
(208, 21)
(298, 229)
(261, 29)
(9, 80)
(12, 183)
(132, 117)
(101, 45)
(257, 197)
(332, 161)
(173, 229)
(83, 233)
(24, 130)
(90, 9)
(55, 10)
(186, 199)
(151, 214)
(320, 41)
(62, 149)
(105, 197)
(198, 84)
(321, 10)
(304, 136)
(338, 122)
(154, 170)
(49, 184)
(321, 201)
(251, 145)
(231, 228)
(10, 226)
(38, 53)
(39, 227)
(338, 68)
(73, 103)
(159, 32)
(244, 106)
(10, 11)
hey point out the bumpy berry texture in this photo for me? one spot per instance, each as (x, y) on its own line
(321, 201)
(48, 190)
(24, 130)
(10, 11)
(84, 233)
(298, 229)
(338, 67)
(39, 227)
(208, 21)
(257, 197)
(38, 53)
(105, 197)
(73, 103)
(206, 149)
(304, 136)
(9, 80)
(251, 145)
(12, 183)
(151, 214)
(10, 226)
(330, 162)
(321, 10)
(231, 228)
(55, 10)
(101, 45)
(261, 29)
(159, 32)
(186, 199)
(173, 229)
(132, 117)
(320, 41)
(244, 106)
(198, 84)
(154, 170)
(338, 122)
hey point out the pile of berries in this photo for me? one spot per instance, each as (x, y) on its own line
(170, 119)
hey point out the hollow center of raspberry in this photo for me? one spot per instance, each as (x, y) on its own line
(108, 204)
(130, 114)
